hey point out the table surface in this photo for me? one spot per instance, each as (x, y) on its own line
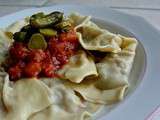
(149, 9)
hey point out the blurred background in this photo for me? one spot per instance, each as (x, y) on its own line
(148, 9)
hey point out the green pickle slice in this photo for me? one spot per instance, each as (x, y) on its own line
(63, 24)
(19, 36)
(47, 20)
(48, 32)
(38, 15)
(37, 41)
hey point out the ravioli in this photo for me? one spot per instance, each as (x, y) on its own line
(5, 42)
(79, 20)
(113, 70)
(91, 37)
(84, 83)
(79, 67)
(2, 107)
(24, 98)
(113, 73)
(66, 105)
(52, 113)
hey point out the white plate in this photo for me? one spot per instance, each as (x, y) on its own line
(145, 98)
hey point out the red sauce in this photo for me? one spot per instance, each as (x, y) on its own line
(23, 62)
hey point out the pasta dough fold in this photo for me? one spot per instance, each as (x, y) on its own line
(24, 98)
(66, 105)
(113, 70)
(78, 67)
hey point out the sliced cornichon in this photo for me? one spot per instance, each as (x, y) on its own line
(19, 36)
(47, 20)
(37, 41)
(62, 25)
(26, 28)
(38, 15)
(48, 32)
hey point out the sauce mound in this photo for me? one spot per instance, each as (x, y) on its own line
(39, 51)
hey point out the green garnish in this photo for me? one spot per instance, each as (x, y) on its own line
(48, 32)
(63, 25)
(26, 28)
(37, 15)
(19, 36)
(47, 20)
(37, 41)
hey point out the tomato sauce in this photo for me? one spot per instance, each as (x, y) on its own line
(24, 62)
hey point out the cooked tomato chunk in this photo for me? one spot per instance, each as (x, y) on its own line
(48, 70)
(68, 36)
(15, 72)
(32, 69)
(18, 51)
(36, 55)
